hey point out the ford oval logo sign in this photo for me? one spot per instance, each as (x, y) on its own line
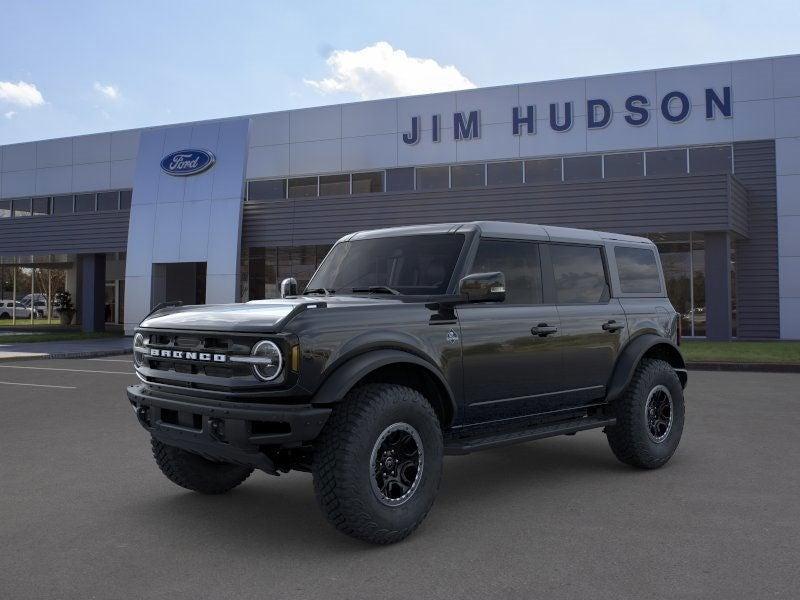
(187, 162)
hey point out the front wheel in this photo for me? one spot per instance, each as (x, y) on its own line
(378, 463)
(650, 417)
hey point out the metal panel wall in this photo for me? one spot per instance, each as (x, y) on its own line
(56, 234)
(757, 257)
(641, 205)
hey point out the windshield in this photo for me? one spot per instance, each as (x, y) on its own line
(412, 265)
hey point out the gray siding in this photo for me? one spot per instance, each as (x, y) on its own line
(757, 257)
(57, 234)
(641, 205)
(739, 206)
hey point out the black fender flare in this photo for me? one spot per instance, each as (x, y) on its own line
(632, 354)
(345, 376)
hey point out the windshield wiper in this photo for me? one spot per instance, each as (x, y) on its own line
(322, 290)
(376, 289)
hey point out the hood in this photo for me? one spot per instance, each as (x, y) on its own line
(262, 316)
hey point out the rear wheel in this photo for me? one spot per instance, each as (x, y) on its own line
(193, 472)
(650, 416)
(378, 463)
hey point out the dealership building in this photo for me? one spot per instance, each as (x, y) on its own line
(704, 160)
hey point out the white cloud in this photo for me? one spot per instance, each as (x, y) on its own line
(10, 114)
(20, 93)
(109, 91)
(380, 71)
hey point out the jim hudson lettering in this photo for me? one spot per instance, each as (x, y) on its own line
(674, 107)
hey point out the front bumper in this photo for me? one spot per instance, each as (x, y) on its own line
(225, 431)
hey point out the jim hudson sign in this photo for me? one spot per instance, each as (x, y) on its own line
(674, 106)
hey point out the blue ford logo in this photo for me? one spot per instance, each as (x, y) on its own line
(187, 162)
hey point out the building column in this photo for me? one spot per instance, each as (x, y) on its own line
(718, 286)
(93, 292)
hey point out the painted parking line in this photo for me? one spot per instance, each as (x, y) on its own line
(60, 387)
(70, 370)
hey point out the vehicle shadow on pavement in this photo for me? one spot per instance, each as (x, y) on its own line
(269, 514)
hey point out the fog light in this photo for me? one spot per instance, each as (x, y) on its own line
(270, 360)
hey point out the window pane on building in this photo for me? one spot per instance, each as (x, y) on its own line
(303, 187)
(504, 173)
(62, 205)
(519, 262)
(698, 284)
(368, 183)
(41, 205)
(638, 270)
(580, 168)
(543, 171)
(125, 199)
(271, 189)
(579, 273)
(400, 180)
(666, 162)
(630, 164)
(334, 185)
(22, 207)
(5, 209)
(84, 202)
(433, 178)
(468, 175)
(108, 201)
(714, 159)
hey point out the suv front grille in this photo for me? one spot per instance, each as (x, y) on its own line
(211, 344)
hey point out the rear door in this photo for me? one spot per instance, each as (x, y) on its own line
(592, 323)
(511, 351)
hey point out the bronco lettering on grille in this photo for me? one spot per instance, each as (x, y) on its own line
(181, 354)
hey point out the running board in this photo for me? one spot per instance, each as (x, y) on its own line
(467, 445)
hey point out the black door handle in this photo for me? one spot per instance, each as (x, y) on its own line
(612, 326)
(543, 330)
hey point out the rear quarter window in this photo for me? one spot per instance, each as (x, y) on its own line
(638, 270)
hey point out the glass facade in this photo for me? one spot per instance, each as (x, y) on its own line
(263, 269)
(38, 291)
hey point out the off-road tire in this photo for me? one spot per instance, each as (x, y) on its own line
(193, 472)
(629, 439)
(342, 462)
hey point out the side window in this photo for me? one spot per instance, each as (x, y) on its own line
(638, 270)
(579, 274)
(519, 262)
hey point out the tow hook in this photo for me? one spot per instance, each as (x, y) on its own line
(217, 429)
(143, 414)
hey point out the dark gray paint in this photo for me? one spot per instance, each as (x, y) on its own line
(93, 278)
(757, 257)
(71, 234)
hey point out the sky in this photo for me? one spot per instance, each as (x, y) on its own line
(85, 66)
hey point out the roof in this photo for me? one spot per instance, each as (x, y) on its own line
(504, 229)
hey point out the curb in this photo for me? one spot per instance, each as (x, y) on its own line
(757, 367)
(59, 355)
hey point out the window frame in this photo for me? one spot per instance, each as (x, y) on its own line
(606, 272)
(617, 284)
(546, 290)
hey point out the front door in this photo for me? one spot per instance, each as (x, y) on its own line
(592, 323)
(511, 353)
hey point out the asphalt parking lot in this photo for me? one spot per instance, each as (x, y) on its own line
(84, 512)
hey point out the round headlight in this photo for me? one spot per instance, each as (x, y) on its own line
(270, 360)
(138, 348)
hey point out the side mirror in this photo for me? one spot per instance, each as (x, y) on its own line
(289, 287)
(483, 287)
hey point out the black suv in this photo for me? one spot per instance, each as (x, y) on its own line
(409, 344)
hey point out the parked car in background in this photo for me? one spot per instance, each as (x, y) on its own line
(14, 308)
(39, 302)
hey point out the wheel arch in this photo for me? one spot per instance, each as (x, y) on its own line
(390, 366)
(644, 346)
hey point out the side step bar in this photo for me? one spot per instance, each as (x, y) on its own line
(473, 444)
